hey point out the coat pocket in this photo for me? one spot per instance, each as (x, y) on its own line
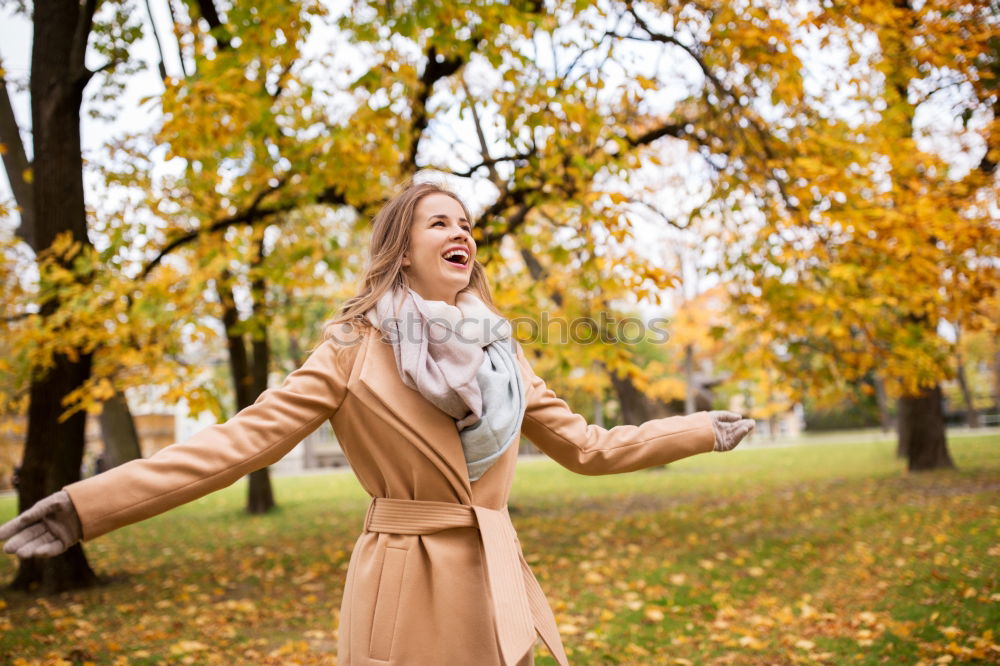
(390, 583)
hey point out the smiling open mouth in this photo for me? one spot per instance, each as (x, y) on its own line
(457, 257)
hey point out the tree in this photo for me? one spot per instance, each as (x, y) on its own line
(872, 241)
(49, 192)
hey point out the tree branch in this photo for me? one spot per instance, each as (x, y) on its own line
(177, 37)
(88, 74)
(433, 72)
(81, 35)
(484, 149)
(252, 214)
(18, 317)
(719, 86)
(538, 272)
(488, 163)
(675, 130)
(156, 38)
(987, 165)
(670, 39)
(507, 201)
(16, 164)
(659, 213)
(280, 86)
(211, 16)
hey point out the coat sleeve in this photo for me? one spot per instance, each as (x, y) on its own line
(566, 437)
(221, 454)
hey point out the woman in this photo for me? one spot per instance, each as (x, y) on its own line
(428, 394)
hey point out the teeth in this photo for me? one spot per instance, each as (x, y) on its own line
(460, 253)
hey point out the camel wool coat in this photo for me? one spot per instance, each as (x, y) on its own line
(437, 576)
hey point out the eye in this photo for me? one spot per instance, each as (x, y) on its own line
(467, 227)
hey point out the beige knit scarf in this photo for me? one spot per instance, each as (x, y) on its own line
(462, 359)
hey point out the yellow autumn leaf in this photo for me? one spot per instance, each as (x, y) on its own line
(751, 642)
(950, 631)
(186, 646)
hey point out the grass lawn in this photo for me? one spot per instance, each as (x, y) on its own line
(817, 554)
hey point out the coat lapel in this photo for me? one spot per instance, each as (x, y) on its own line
(435, 432)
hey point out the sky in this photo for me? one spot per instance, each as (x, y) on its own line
(653, 240)
(15, 52)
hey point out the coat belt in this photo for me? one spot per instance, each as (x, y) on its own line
(519, 606)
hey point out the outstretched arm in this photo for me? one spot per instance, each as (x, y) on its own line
(215, 457)
(585, 448)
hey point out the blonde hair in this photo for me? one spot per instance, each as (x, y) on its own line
(390, 238)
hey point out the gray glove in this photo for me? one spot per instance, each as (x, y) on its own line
(45, 530)
(729, 429)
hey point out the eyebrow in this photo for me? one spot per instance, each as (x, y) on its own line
(442, 216)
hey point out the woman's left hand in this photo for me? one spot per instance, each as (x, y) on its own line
(47, 529)
(730, 428)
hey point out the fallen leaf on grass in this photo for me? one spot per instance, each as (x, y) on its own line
(751, 642)
(183, 647)
(654, 615)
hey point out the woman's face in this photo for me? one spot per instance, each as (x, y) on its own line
(439, 227)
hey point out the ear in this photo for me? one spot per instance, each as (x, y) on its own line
(406, 260)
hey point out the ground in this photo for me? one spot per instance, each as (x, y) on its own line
(827, 553)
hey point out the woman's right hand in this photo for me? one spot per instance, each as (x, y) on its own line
(45, 530)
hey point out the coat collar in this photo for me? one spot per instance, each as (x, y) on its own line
(433, 431)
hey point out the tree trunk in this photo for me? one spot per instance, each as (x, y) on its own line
(121, 441)
(596, 366)
(902, 443)
(920, 418)
(249, 374)
(309, 453)
(239, 363)
(51, 575)
(631, 400)
(53, 450)
(996, 379)
(692, 389)
(882, 400)
(971, 415)
(246, 382)
(260, 496)
(922, 432)
(53, 454)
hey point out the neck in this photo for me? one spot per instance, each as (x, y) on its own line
(449, 298)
